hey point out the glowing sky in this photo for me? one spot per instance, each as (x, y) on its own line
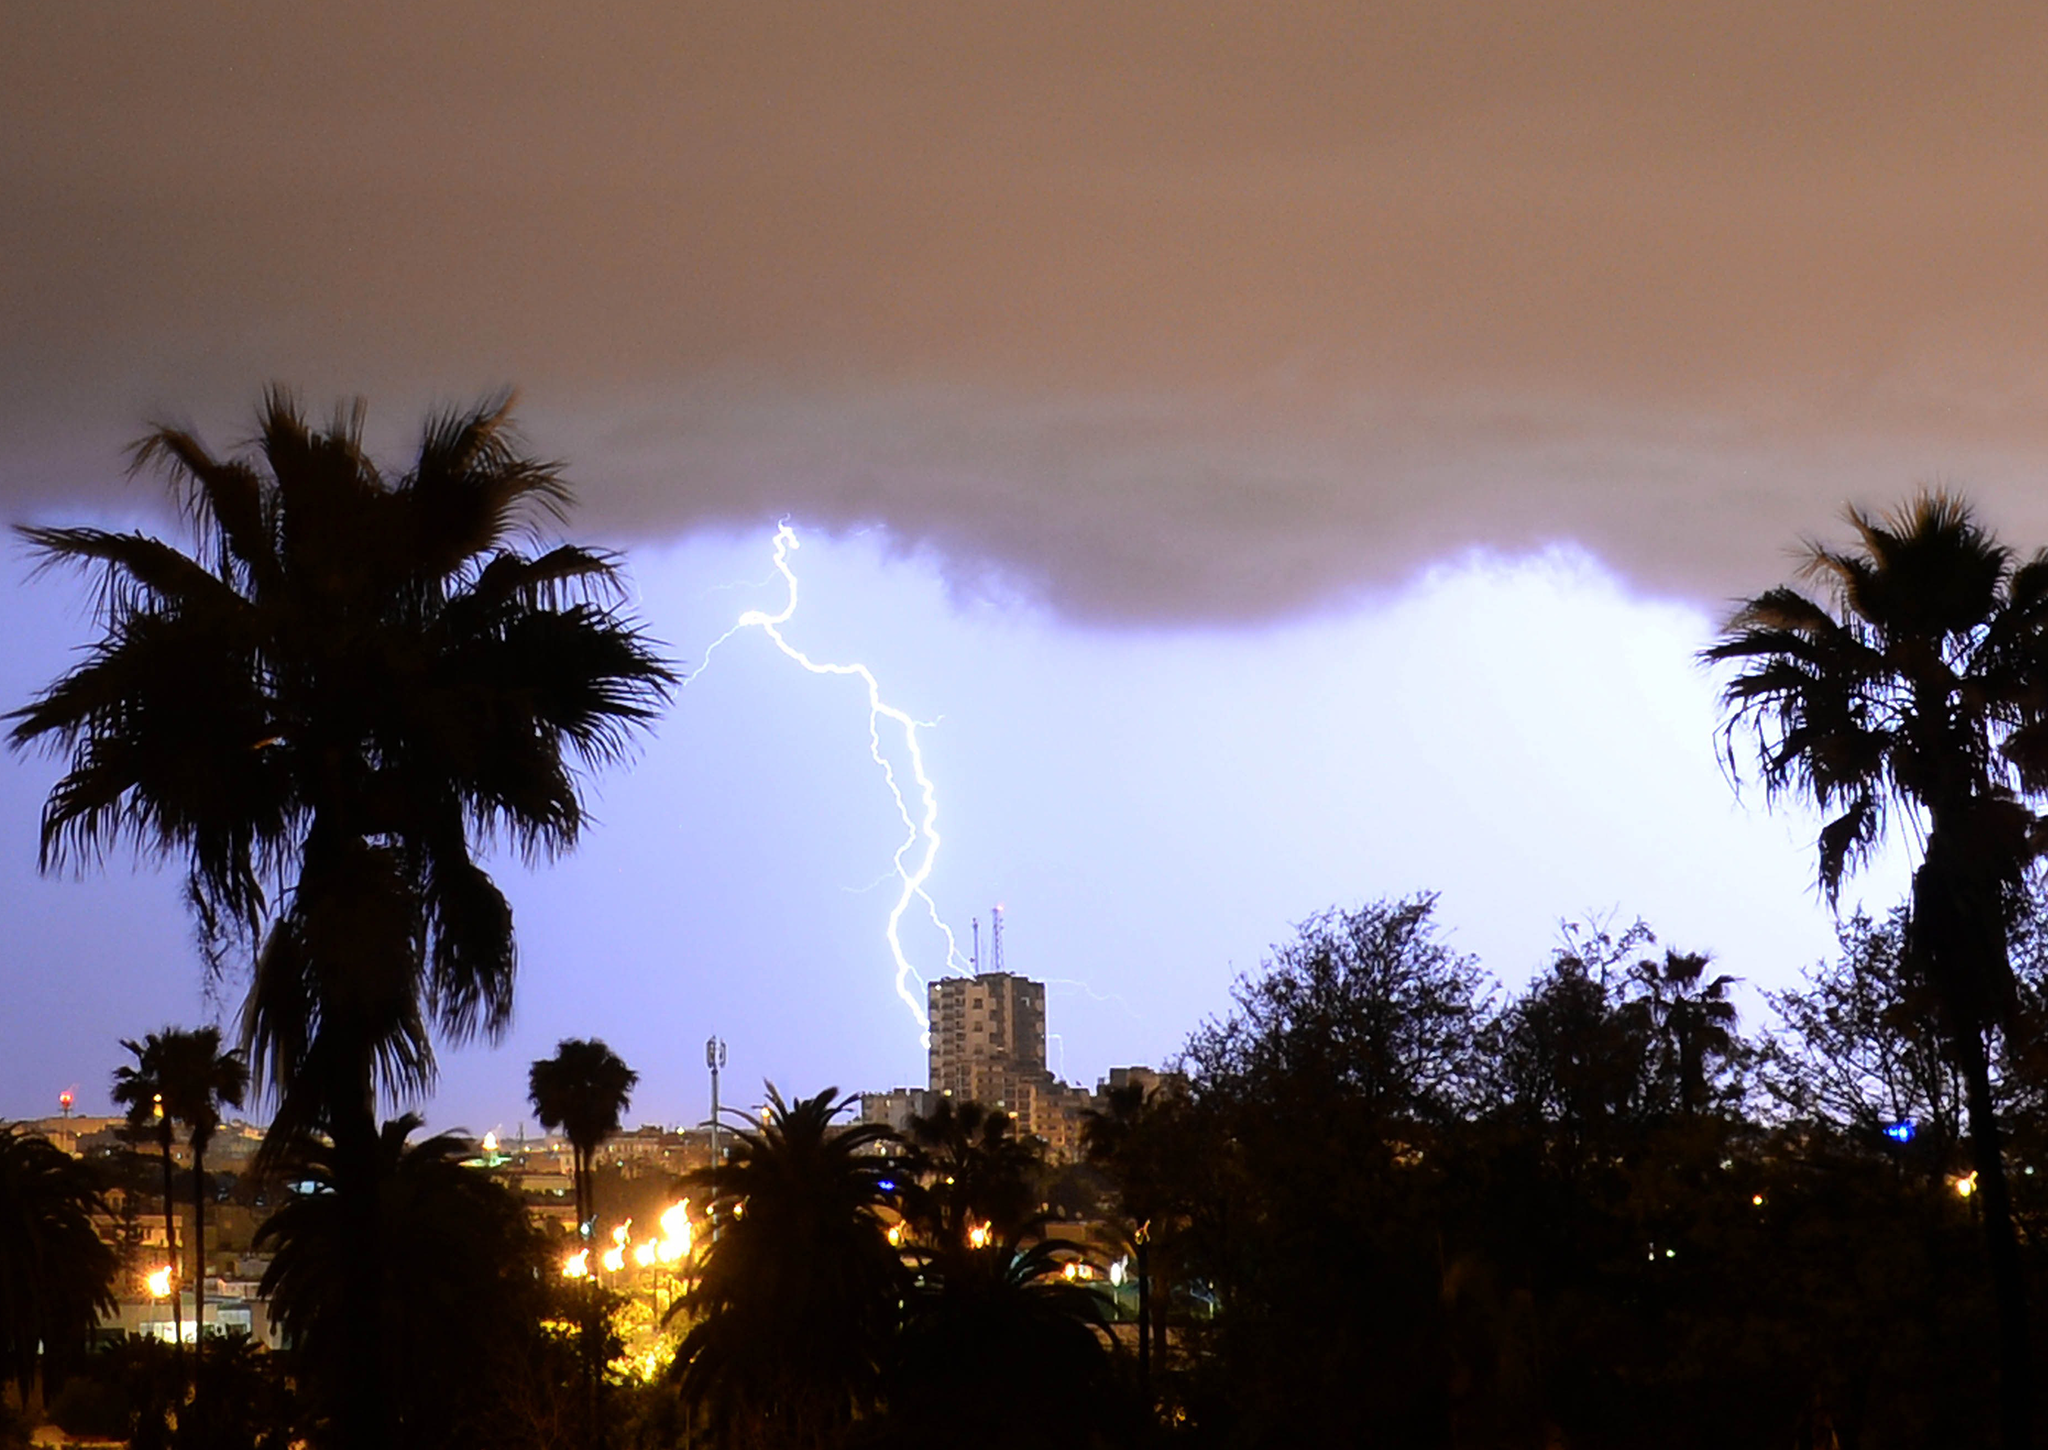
(1295, 452)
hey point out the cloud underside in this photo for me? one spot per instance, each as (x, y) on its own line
(1154, 314)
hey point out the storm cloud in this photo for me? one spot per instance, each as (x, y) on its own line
(1156, 313)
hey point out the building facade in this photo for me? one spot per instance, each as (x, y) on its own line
(988, 1046)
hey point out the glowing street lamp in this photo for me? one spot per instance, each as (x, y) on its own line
(159, 1282)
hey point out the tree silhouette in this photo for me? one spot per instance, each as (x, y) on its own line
(56, 1276)
(797, 1295)
(969, 1167)
(450, 1271)
(1920, 686)
(1694, 1020)
(349, 679)
(1135, 1137)
(583, 1090)
(140, 1089)
(999, 1348)
(320, 709)
(197, 1080)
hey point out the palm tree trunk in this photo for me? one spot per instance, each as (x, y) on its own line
(2002, 1251)
(586, 1231)
(1144, 1324)
(171, 1244)
(198, 1260)
(362, 1417)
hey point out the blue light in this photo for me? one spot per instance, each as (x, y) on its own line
(887, 1185)
(1901, 1132)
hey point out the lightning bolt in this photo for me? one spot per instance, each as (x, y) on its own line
(920, 829)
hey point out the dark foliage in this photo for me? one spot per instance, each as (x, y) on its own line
(442, 1262)
(792, 1315)
(56, 1276)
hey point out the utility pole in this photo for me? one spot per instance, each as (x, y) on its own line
(714, 1058)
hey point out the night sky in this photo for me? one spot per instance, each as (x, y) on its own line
(1290, 455)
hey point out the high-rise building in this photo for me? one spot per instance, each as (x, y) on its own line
(988, 1037)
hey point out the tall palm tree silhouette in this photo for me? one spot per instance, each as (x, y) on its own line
(198, 1081)
(140, 1090)
(322, 706)
(349, 680)
(583, 1090)
(1919, 686)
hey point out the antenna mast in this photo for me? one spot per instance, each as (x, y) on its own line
(995, 932)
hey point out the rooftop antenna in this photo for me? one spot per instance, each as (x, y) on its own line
(975, 960)
(995, 934)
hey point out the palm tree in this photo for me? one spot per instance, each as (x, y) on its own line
(452, 1270)
(198, 1080)
(1920, 686)
(970, 1167)
(140, 1089)
(584, 1089)
(56, 1274)
(1001, 1346)
(797, 1295)
(347, 681)
(1694, 1019)
(1123, 1139)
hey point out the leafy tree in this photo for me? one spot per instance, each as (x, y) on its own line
(1918, 686)
(583, 1089)
(1861, 1048)
(56, 1276)
(444, 1261)
(349, 680)
(797, 1295)
(1366, 1003)
(1315, 1126)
